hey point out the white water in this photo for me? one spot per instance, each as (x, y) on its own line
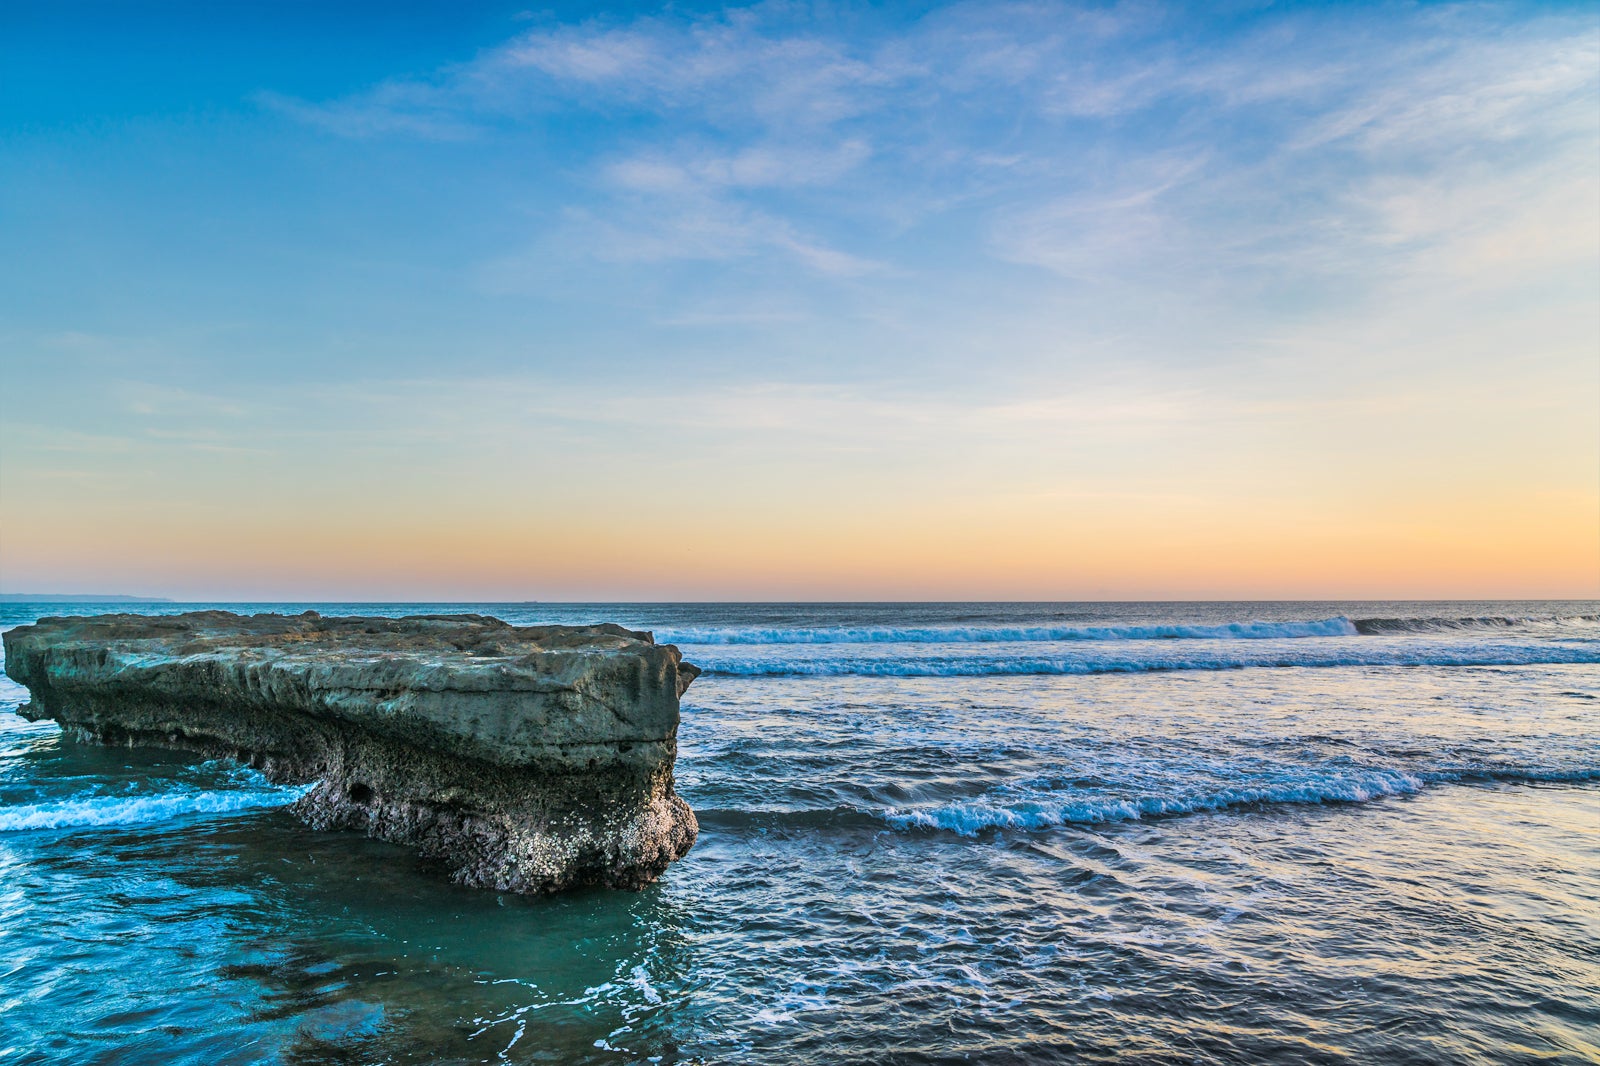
(1254, 630)
(88, 810)
(1018, 833)
(972, 661)
(1022, 808)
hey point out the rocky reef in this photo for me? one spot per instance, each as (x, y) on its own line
(521, 758)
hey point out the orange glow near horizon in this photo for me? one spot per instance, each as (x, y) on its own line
(1016, 314)
(1535, 547)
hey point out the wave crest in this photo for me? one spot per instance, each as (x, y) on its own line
(1004, 666)
(1042, 812)
(90, 810)
(1326, 627)
(1469, 624)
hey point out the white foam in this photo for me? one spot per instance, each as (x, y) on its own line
(1042, 811)
(89, 810)
(1087, 662)
(1327, 627)
(12, 695)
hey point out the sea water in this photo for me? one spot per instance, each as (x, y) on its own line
(995, 833)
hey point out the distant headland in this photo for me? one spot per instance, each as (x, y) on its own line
(55, 597)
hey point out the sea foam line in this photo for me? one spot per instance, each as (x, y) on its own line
(994, 666)
(1326, 627)
(90, 810)
(972, 817)
(1478, 623)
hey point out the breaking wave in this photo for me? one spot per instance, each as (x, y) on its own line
(998, 665)
(1482, 623)
(1041, 812)
(1338, 626)
(89, 810)
(1327, 627)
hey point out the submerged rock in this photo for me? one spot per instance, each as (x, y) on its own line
(522, 758)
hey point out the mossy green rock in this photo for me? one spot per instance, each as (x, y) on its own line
(522, 758)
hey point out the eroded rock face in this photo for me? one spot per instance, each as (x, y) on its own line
(523, 758)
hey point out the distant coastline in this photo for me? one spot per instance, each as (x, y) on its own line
(43, 597)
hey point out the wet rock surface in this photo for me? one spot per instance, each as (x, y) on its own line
(520, 758)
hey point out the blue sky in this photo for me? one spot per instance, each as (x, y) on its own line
(801, 300)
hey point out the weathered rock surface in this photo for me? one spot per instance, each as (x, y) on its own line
(527, 759)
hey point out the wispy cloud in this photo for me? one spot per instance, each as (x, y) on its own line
(829, 264)
(412, 109)
(780, 75)
(690, 203)
(1090, 141)
(1124, 223)
(754, 167)
(703, 227)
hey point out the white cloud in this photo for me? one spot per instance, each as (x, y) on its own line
(705, 228)
(754, 167)
(1095, 233)
(1473, 93)
(587, 56)
(1092, 142)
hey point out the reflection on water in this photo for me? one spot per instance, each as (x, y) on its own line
(242, 939)
(890, 870)
(1416, 930)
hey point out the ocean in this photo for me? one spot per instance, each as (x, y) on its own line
(930, 833)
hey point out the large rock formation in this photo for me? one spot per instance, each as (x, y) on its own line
(523, 758)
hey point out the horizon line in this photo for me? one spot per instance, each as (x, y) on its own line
(10, 597)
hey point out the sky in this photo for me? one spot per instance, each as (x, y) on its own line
(807, 302)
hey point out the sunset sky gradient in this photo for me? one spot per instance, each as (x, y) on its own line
(980, 301)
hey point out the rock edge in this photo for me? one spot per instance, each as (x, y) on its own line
(519, 758)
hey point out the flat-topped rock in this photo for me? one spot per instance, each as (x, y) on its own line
(525, 758)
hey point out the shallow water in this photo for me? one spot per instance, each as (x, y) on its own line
(1234, 833)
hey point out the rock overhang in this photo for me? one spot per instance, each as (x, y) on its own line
(522, 757)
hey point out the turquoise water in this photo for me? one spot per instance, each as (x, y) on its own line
(1000, 833)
